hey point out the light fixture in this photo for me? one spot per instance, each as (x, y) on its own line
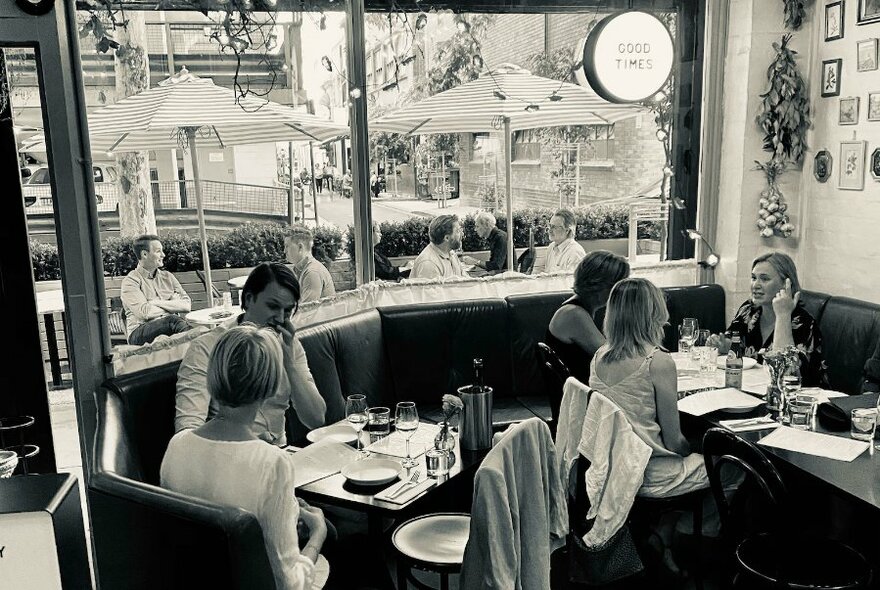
(712, 259)
(355, 93)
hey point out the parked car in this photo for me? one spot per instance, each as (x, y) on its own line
(37, 190)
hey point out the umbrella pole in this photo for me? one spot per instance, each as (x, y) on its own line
(314, 189)
(511, 263)
(200, 212)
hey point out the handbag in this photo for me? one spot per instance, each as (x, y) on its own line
(616, 559)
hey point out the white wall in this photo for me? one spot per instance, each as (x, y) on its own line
(834, 243)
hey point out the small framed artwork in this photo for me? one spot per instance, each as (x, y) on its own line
(849, 111)
(866, 51)
(822, 165)
(852, 165)
(874, 106)
(831, 77)
(869, 12)
(875, 165)
(834, 20)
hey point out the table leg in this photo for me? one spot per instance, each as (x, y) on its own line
(52, 344)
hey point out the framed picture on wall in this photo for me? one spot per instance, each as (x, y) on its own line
(822, 165)
(831, 77)
(852, 165)
(834, 20)
(874, 106)
(866, 50)
(875, 165)
(869, 12)
(849, 111)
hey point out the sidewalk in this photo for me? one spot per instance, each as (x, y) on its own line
(425, 208)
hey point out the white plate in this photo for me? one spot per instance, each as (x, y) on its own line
(738, 409)
(339, 432)
(748, 362)
(372, 471)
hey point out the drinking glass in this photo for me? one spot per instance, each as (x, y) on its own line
(437, 461)
(708, 357)
(877, 446)
(378, 423)
(700, 338)
(790, 385)
(864, 422)
(406, 420)
(356, 412)
(800, 411)
(687, 332)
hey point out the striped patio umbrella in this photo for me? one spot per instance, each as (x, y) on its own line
(188, 112)
(508, 98)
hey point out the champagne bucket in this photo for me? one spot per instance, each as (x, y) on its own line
(476, 419)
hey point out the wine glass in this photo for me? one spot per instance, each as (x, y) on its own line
(356, 412)
(790, 385)
(687, 334)
(406, 420)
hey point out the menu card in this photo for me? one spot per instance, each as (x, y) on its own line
(321, 459)
(394, 445)
(704, 402)
(814, 443)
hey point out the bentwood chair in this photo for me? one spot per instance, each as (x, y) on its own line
(777, 554)
(555, 374)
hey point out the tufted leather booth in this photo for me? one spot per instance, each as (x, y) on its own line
(147, 537)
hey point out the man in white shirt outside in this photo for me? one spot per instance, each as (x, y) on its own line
(315, 281)
(269, 298)
(151, 296)
(438, 259)
(564, 253)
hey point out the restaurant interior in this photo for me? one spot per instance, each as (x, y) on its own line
(692, 403)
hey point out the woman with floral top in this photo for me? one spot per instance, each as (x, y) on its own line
(773, 318)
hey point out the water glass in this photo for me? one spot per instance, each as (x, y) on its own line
(378, 423)
(356, 412)
(700, 338)
(708, 358)
(227, 300)
(437, 461)
(800, 411)
(864, 422)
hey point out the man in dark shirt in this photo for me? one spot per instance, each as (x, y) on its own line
(384, 269)
(484, 224)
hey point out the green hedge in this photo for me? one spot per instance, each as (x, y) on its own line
(407, 238)
(243, 247)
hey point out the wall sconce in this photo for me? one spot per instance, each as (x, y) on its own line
(712, 259)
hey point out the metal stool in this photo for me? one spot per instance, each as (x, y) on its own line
(433, 543)
(11, 426)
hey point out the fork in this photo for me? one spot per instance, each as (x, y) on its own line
(406, 485)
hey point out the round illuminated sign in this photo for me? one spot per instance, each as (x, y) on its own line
(628, 56)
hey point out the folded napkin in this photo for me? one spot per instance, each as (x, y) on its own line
(747, 424)
(410, 493)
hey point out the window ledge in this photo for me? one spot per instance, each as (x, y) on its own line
(598, 165)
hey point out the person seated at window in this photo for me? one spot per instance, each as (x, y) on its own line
(315, 281)
(152, 297)
(384, 269)
(269, 298)
(223, 461)
(637, 375)
(575, 332)
(564, 253)
(484, 224)
(438, 259)
(773, 318)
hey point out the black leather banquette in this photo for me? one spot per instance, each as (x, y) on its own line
(147, 537)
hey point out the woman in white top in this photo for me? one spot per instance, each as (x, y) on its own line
(222, 461)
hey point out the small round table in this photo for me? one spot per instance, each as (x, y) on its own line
(236, 284)
(212, 316)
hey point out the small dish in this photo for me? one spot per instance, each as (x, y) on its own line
(339, 432)
(748, 362)
(372, 471)
(219, 315)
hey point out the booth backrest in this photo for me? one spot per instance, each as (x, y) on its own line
(850, 333)
(703, 302)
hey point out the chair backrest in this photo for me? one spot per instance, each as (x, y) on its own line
(555, 373)
(214, 291)
(724, 450)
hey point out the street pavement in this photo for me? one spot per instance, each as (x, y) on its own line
(334, 209)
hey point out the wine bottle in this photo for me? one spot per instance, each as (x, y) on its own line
(478, 384)
(734, 364)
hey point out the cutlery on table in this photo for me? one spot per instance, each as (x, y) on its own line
(755, 421)
(414, 480)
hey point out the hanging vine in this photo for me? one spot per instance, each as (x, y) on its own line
(794, 13)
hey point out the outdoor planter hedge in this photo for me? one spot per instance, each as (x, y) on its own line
(243, 247)
(408, 238)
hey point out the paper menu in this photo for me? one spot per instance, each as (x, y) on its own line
(320, 460)
(814, 443)
(704, 402)
(394, 445)
(756, 380)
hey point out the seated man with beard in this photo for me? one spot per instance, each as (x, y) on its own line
(438, 259)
